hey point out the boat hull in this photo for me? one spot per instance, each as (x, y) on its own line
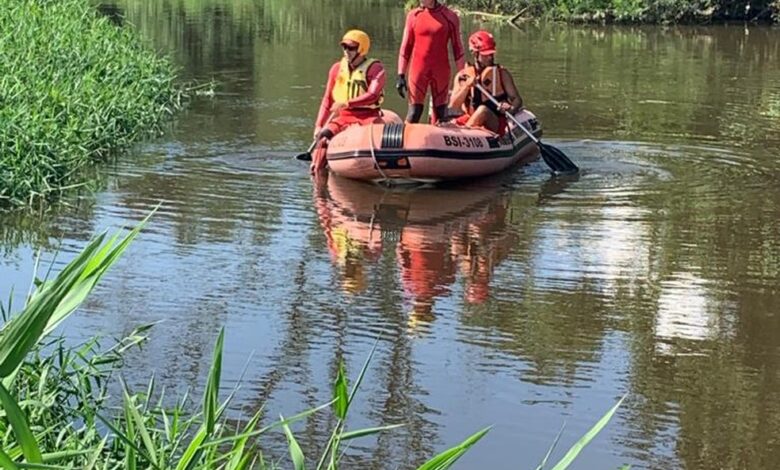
(393, 152)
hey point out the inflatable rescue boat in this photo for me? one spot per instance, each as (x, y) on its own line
(391, 151)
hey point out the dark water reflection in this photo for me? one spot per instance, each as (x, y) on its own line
(519, 302)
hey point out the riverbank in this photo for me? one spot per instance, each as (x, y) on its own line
(75, 89)
(627, 11)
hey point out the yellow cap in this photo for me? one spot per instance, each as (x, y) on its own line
(360, 38)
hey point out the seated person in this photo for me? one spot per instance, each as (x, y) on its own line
(353, 94)
(479, 110)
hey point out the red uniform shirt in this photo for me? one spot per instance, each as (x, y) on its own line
(426, 36)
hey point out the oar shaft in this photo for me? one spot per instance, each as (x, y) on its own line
(507, 113)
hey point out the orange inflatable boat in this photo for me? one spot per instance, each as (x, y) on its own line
(393, 152)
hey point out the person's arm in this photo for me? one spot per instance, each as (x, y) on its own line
(460, 89)
(407, 43)
(513, 96)
(327, 98)
(376, 77)
(456, 41)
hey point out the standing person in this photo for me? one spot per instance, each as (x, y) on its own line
(479, 110)
(424, 55)
(353, 94)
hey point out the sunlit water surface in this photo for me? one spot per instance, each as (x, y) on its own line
(519, 302)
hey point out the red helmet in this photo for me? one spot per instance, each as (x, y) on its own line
(482, 42)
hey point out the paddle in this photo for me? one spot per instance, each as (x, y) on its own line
(306, 156)
(552, 156)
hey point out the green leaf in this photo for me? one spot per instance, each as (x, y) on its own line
(445, 459)
(24, 331)
(239, 458)
(128, 441)
(584, 440)
(362, 372)
(296, 453)
(368, 431)
(21, 429)
(211, 396)
(6, 462)
(192, 453)
(96, 455)
(139, 423)
(340, 397)
(552, 447)
(263, 430)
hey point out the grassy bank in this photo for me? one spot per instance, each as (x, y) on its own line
(75, 89)
(630, 11)
(55, 410)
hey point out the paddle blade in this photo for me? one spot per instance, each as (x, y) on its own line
(304, 157)
(557, 160)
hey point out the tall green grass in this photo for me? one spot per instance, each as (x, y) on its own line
(55, 412)
(74, 89)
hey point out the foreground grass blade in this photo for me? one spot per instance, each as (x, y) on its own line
(23, 332)
(445, 459)
(96, 268)
(579, 445)
(263, 430)
(299, 462)
(6, 462)
(122, 436)
(19, 424)
(340, 393)
(368, 431)
(240, 458)
(211, 396)
(55, 300)
(552, 447)
(133, 413)
(363, 372)
(192, 454)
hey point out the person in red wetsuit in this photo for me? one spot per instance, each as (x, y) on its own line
(353, 94)
(424, 56)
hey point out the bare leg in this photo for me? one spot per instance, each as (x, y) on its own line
(484, 117)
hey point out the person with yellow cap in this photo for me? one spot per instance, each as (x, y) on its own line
(353, 94)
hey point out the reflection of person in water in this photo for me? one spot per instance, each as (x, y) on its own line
(350, 243)
(481, 246)
(426, 267)
(437, 231)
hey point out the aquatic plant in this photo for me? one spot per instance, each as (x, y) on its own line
(56, 411)
(75, 89)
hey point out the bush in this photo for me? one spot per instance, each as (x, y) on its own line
(74, 89)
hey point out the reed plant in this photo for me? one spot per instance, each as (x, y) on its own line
(74, 89)
(55, 410)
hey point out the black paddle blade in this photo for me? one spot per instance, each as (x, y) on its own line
(557, 160)
(304, 157)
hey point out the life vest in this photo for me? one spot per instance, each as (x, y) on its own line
(351, 84)
(490, 79)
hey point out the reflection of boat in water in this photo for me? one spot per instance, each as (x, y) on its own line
(435, 235)
(397, 152)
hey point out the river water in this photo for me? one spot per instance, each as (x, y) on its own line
(520, 302)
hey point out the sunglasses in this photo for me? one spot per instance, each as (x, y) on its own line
(347, 47)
